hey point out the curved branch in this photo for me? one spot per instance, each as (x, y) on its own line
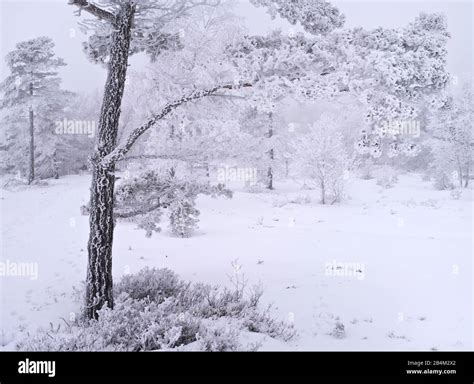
(120, 151)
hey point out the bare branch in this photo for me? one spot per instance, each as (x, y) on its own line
(120, 151)
(93, 10)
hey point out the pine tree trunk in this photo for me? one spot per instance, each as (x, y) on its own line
(271, 154)
(101, 219)
(208, 169)
(55, 164)
(31, 163)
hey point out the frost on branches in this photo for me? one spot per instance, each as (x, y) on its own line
(32, 98)
(143, 198)
(451, 142)
(404, 68)
(322, 158)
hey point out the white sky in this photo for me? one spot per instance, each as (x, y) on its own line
(22, 20)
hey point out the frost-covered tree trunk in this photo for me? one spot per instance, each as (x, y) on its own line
(271, 153)
(323, 192)
(208, 168)
(31, 163)
(101, 219)
(55, 164)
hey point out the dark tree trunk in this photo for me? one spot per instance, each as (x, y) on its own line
(208, 169)
(271, 154)
(55, 164)
(101, 219)
(31, 163)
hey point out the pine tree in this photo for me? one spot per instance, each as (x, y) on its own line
(183, 217)
(32, 83)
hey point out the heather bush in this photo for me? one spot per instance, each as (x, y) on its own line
(156, 310)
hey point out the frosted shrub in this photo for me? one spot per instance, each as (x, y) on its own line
(155, 310)
(254, 188)
(300, 199)
(219, 340)
(262, 322)
(279, 202)
(456, 194)
(153, 284)
(386, 177)
(339, 331)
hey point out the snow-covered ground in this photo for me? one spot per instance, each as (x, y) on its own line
(411, 245)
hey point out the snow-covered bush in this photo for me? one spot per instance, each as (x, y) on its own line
(153, 284)
(339, 331)
(155, 310)
(386, 177)
(263, 322)
(456, 194)
(219, 340)
(300, 199)
(254, 188)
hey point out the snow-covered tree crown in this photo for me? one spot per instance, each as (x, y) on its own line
(150, 18)
(315, 16)
(33, 66)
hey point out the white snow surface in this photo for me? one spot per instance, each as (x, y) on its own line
(412, 243)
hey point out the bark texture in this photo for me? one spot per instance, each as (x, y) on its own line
(101, 220)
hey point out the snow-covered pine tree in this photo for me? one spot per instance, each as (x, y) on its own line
(141, 198)
(279, 62)
(183, 217)
(32, 86)
(403, 69)
(283, 62)
(120, 28)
